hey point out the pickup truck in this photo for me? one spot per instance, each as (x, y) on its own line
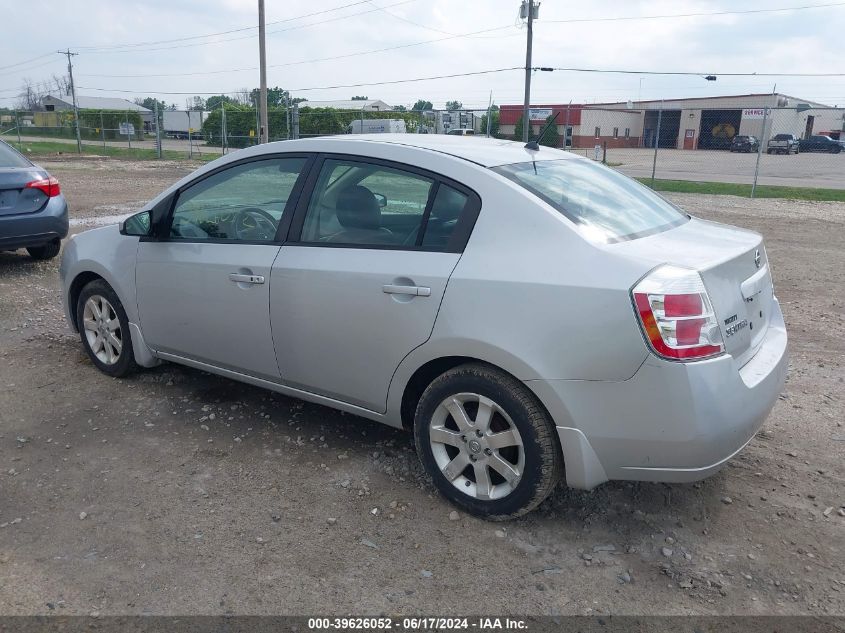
(820, 144)
(783, 144)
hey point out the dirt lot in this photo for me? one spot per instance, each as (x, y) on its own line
(178, 492)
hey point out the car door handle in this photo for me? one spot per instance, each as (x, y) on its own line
(416, 291)
(246, 279)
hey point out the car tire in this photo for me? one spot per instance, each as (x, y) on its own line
(499, 466)
(47, 251)
(104, 329)
(768, 151)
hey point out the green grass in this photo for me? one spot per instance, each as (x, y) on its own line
(734, 189)
(41, 148)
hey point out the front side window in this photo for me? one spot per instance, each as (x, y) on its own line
(359, 203)
(608, 206)
(242, 203)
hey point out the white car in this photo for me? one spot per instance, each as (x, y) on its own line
(528, 314)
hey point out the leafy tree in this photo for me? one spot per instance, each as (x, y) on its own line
(276, 97)
(150, 104)
(421, 104)
(217, 101)
(494, 122)
(195, 103)
(551, 138)
(454, 105)
(518, 129)
(360, 98)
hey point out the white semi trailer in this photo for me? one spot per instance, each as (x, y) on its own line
(377, 126)
(181, 123)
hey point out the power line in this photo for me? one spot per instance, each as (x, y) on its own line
(310, 61)
(245, 37)
(475, 73)
(695, 15)
(683, 73)
(26, 70)
(23, 63)
(245, 28)
(357, 85)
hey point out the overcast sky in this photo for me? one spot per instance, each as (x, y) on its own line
(106, 33)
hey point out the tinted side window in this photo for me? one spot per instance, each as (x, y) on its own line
(11, 158)
(448, 206)
(359, 203)
(244, 202)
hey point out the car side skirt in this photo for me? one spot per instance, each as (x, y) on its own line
(277, 387)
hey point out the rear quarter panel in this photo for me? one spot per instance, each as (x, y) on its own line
(533, 297)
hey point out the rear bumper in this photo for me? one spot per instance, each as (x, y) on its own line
(672, 422)
(35, 229)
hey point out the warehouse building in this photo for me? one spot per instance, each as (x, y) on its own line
(692, 123)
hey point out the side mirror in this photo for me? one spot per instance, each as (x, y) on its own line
(382, 199)
(139, 225)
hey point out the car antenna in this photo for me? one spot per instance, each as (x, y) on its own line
(535, 144)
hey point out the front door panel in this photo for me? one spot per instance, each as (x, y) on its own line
(344, 318)
(207, 302)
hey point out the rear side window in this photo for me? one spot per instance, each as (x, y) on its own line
(365, 204)
(607, 205)
(11, 158)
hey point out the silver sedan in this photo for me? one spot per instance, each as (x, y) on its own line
(527, 314)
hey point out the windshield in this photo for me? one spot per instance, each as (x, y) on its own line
(10, 158)
(607, 205)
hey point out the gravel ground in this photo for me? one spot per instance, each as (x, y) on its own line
(179, 492)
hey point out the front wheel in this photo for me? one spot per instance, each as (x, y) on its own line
(487, 442)
(104, 329)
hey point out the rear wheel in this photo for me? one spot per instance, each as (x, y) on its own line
(104, 329)
(487, 443)
(47, 251)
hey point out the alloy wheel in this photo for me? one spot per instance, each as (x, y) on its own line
(476, 446)
(102, 329)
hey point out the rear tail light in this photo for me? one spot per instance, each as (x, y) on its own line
(676, 315)
(50, 186)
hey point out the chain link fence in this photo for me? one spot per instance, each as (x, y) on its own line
(799, 146)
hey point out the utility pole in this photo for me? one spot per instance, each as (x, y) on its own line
(528, 6)
(489, 113)
(73, 93)
(262, 52)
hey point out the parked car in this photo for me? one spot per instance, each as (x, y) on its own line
(463, 131)
(783, 144)
(820, 144)
(744, 144)
(527, 315)
(33, 211)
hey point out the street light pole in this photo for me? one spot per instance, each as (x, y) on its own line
(262, 52)
(526, 121)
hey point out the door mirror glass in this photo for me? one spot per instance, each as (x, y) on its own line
(139, 224)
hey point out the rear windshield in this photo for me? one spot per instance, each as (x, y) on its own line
(10, 158)
(609, 206)
(783, 137)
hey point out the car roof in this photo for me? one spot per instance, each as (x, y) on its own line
(487, 152)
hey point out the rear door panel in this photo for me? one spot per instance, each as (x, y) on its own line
(336, 331)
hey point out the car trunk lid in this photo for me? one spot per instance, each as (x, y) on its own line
(15, 197)
(733, 265)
